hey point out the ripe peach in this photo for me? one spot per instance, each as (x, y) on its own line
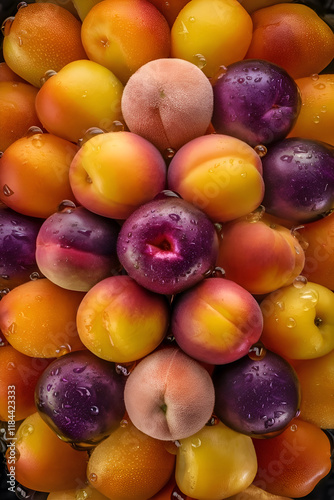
(114, 173)
(17, 109)
(34, 174)
(83, 94)
(38, 319)
(216, 321)
(169, 395)
(121, 41)
(258, 255)
(211, 34)
(219, 174)
(42, 37)
(316, 118)
(318, 241)
(292, 36)
(169, 102)
(119, 320)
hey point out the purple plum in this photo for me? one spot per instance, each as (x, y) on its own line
(75, 249)
(299, 179)
(257, 394)
(167, 245)
(255, 101)
(81, 397)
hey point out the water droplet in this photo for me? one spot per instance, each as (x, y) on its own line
(33, 131)
(37, 140)
(300, 281)
(257, 352)
(10, 365)
(293, 427)
(169, 153)
(256, 216)
(48, 74)
(92, 477)
(66, 206)
(124, 423)
(27, 429)
(316, 119)
(269, 422)
(33, 277)
(94, 410)
(241, 80)
(117, 126)
(49, 387)
(7, 191)
(323, 109)
(320, 86)
(287, 158)
(261, 150)
(6, 25)
(79, 369)
(218, 272)
(291, 322)
(199, 60)
(89, 179)
(196, 442)
(21, 5)
(280, 305)
(315, 77)
(24, 493)
(89, 133)
(174, 217)
(12, 329)
(63, 349)
(309, 297)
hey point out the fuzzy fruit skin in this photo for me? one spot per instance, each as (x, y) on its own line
(257, 396)
(216, 321)
(80, 396)
(255, 101)
(167, 245)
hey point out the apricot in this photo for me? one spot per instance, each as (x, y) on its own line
(38, 319)
(316, 118)
(292, 36)
(42, 37)
(116, 172)
(121, 41)
(168, 102)
(42, 461)
(129, 464)
(83, 94)
(34, 174)
(211, 34)
(219, 174)
(17, 109)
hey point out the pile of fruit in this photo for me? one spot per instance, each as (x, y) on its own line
(166, 250)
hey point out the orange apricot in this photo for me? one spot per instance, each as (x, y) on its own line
(34, 174)
(17, 110)
(292, 36)
(38, 319)
(42, 37)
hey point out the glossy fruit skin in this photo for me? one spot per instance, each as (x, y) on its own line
(256, 396)
(167, 245)
(255, 101)
(76, 248)
(299, 179)
(80, 396)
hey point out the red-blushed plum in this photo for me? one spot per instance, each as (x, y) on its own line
(169, 395)
(257, 395)
(42, 37)
(316, 118)
(256, 101)
(169, 102)
(219, 174)
(259, 255)
(114, 173)
(17, 247)
(298, 321)
(318, 240)
(44, 462)
(83, 94)
(121, 41)
(38, 319)
(76, 249)
(34, 174)
(17, 108)
(121, 321)
(211, 34)
(292, 463)
(81, 398)
(167, 245)
(299, 179)
(130, 464)
(215, 462)
(292, 36)
(216, 321)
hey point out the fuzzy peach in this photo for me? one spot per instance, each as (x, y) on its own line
(38, 319)
(292, 36)
(216, 321)
(119, 320)
(211, 34)
(121, 41)
(219, 174)
(82, 95)
(316, 118)
(258, 255)
(169, 102)
(115, 173)
(34, 174)
(169, 395)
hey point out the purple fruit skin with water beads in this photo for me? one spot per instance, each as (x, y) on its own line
(80, 396)
(258, 396)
